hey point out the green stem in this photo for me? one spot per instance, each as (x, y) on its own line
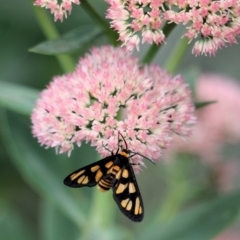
(178, 189)
(173, 201)
(112, 35)
(50, 31)
(101, 216)
(176, 56)
(153, 50)
(33, 170)
(102, 209)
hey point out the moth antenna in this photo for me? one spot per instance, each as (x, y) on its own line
(134, 153)
(123, 140)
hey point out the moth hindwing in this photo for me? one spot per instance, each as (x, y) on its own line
(113, 172)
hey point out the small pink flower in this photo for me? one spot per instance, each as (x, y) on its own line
(58, 10)
(84, 105)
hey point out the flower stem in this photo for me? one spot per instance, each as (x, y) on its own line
(101, 216)
(50, 31)
(172, 202)
(176, 56)
(102, 209)
(178, 191)
(112, 35)
(153, 50)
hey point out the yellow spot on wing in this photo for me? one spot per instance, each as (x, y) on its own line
(140, 210)
(95, 168)
(108, 164)
(118, 175)
(77, 174)
(81, 179)
(121, 187)
(129, 206)
(137, 206)
(132, 188)
(85, 181)
(124, 202)
(125, 173)
(98, 175)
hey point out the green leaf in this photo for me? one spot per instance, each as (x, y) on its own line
(203, 104)
(13, 225)
(36, 171)
(42, 174)
(54, 225)
(17, 98)
(69, 42)
(191, 75)
(202, 222)
(115, 232)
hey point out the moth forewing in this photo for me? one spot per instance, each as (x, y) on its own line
(114, 172)
(89, 175)
(126, 192)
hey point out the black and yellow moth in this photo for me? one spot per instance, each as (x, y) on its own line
(114, 172)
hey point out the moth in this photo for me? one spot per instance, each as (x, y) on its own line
(116, 172)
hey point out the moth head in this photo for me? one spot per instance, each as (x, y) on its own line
(125, 153)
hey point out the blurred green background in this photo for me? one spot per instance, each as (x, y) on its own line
(181, 198)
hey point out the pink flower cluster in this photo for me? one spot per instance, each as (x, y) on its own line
(85, 106)
(59, 10)
(132, 16)
(217, 126)
(229, 234)
(211, 23)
